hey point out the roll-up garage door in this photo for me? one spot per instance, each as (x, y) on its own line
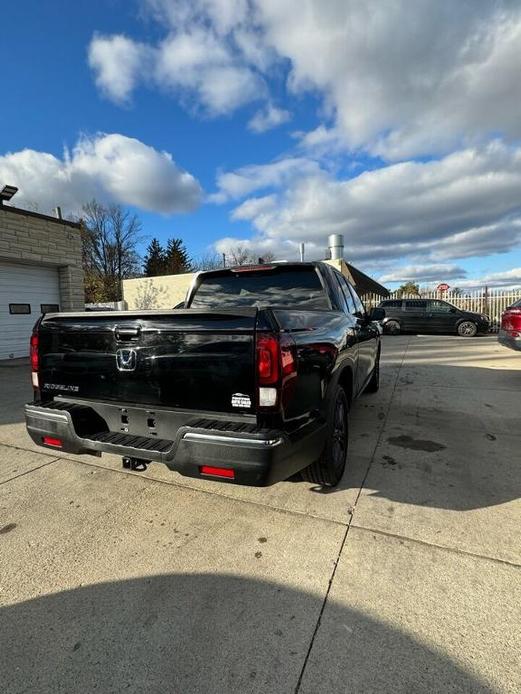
(25, 292)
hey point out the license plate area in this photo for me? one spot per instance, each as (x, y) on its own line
(138, 422)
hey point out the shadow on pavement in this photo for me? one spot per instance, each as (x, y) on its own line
(207, 633)
(451, 438)
(15, 390)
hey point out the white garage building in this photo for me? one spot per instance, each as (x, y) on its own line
(40, 271)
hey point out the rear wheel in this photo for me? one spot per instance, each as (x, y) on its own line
(467, 329)
(392, 327)
(327, 471)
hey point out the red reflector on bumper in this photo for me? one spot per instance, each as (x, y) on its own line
(50, 441)
(217, 471)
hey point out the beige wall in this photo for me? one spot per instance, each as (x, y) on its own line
(40, 240)
(156, 292)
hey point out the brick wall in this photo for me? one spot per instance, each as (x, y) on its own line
(37, 239)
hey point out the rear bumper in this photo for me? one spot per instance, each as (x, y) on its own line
(258, 459)
(508, 340)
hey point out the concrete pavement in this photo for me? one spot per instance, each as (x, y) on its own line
(404, 579)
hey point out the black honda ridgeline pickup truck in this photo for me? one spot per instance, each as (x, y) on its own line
(250, 383)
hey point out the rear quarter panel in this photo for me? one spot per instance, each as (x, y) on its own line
(325, 345)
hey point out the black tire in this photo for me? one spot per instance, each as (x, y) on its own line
(327, 471)
(374, 382)
(392, 327)
(467, 328)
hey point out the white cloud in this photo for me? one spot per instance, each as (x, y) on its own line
(199, 64)
(465, 204)
(111, 168)
(199, 61)
(236, 184)
(253, 208)
(118, 63)
(424, 273)
(404, 78)
(268, 118)
(396, 78)
(505, 278)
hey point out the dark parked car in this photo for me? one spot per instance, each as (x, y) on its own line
(510, 330)
(431, 316)
(250, 383)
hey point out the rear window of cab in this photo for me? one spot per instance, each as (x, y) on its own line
(277, 287)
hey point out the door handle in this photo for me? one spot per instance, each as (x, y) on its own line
(125, 333)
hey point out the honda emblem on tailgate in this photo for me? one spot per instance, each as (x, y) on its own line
(126, 359)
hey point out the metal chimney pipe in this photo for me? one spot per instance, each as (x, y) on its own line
(58, 212)
(302, 246)
(336, 246)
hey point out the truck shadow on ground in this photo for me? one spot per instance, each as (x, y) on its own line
(210, 633)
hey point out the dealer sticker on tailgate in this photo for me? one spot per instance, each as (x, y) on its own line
(241, 400)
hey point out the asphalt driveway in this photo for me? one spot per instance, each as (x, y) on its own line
(406, 578)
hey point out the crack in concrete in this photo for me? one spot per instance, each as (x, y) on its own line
(349, 523)
(443, 548)
(28, 472)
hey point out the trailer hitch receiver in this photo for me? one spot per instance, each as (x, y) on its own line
(135, 464)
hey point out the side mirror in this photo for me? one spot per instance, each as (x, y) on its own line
(453, 310)
(377, 314)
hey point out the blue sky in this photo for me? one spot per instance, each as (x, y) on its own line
(380, 125)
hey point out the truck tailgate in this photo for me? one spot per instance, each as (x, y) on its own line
(185, 359)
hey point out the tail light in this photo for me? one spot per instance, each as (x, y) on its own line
(511, 321)
(226, 472)
(35, 359)
(276, 367)
(267, 360)
(52, 441)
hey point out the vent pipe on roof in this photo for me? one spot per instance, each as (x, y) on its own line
(58, 212)
(302, 246)
(336, 246)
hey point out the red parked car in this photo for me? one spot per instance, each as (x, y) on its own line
(510, 330)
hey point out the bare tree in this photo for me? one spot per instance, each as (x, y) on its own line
(110, 235)
(234, 255)
(240, 255)
(208, 261)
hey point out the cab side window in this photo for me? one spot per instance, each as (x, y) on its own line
(337, 295)
(359, 307)
(344, 288)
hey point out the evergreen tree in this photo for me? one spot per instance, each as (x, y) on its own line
(409, 289)
(155, 260)
(177, 259)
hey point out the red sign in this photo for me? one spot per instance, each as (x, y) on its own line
(442, 287)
